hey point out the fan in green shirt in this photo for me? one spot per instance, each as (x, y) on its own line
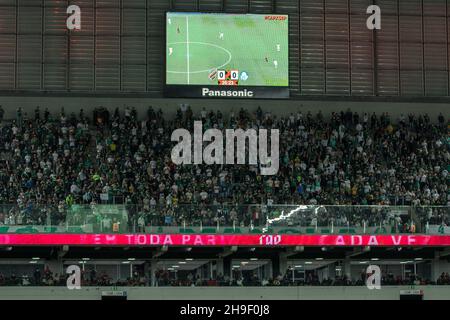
(69, 200)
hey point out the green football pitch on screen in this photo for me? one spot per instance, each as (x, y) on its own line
(204, 48)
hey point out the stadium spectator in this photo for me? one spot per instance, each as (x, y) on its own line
(52, 164)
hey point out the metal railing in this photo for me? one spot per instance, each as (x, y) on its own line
(229, 218)
(98, 218)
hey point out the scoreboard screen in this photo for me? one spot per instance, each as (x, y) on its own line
(227, 55)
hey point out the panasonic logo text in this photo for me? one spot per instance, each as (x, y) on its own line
(227, 93)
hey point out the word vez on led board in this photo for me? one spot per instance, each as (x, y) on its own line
(373, 21)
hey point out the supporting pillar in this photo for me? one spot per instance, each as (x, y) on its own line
(147, 271)
(435, 267)
(226, 264)
(332, 271)
(276, 266)
(152, 264)
(347, 268)
(268, 271)
(219, 267)
(283, 263)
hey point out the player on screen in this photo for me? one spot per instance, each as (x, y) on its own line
(275, 63)
(170, 51)
(169, 21)
(278, 48)
(221, 36)
(178, 30)
(266, 59)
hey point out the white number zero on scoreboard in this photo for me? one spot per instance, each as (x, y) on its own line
(234, 74)
(221, 74)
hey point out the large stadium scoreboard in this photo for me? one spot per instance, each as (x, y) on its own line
(227, 55)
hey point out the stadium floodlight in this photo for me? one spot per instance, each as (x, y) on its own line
(363, 262)
(189, 259)
(253, 259)
(33, 261)
(236, 266)
(175, 266)
(244, 262)
(374, 259)
(182, 262)
(85, 259)
(418, 259)
(131, 259)
(35, 258)
(298, 266)
(319, 259)
(308, 262)
(126, 262)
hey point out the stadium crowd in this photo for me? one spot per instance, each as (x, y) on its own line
(165, 278)
(48, 164)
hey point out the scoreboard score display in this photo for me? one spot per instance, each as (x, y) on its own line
(227, 55)
(228, 78)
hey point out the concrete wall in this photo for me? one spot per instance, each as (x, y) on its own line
(169, 106)
(225, 293)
